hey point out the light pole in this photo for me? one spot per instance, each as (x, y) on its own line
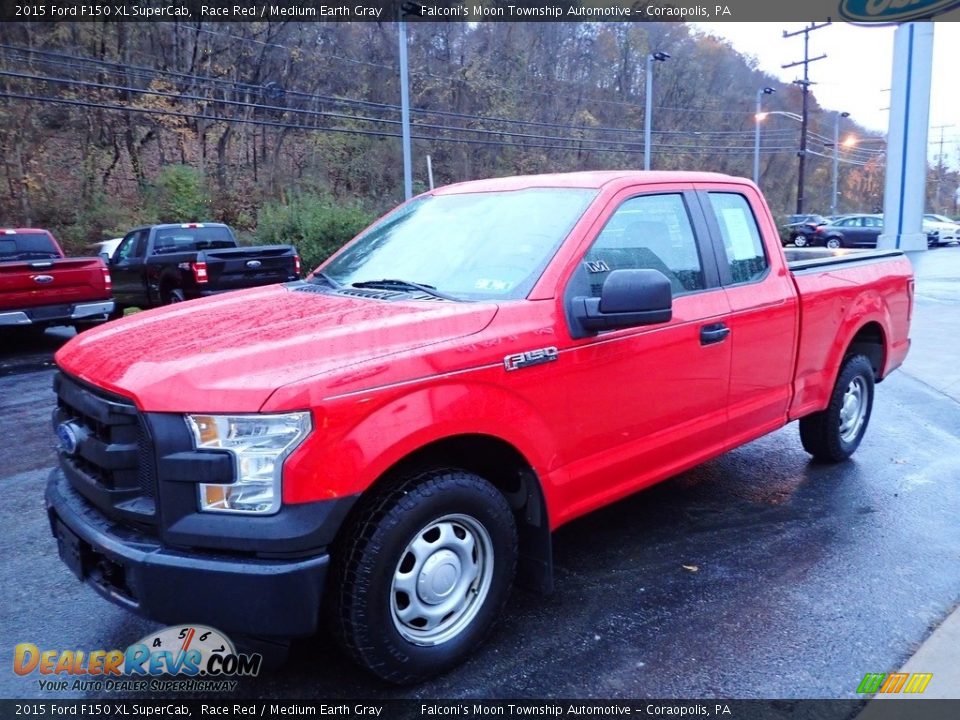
(405, 110)
(756, 135)
(836, 159)
(648, 116)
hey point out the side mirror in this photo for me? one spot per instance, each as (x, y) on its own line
(105, 257)
(628, 298)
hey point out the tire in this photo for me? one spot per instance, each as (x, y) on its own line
(173, 295)
(800, 241)
(420, 530)
(833, 435)
(834, 243)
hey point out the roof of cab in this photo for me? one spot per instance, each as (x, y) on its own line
(593, 180)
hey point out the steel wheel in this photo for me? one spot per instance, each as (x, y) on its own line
(442, 580)
(854, 409)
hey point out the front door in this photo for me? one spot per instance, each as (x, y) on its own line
(126, 269)
(645, 402)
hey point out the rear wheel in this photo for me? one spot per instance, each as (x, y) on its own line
(800, 240)
(423, 573)
(173, 295)
(833, 435)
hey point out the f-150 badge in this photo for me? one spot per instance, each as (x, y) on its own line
(530, 357)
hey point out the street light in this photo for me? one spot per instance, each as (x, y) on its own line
(836, 158)
(647, 125)
(756, 136)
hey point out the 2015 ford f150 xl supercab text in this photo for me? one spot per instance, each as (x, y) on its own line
(387, 444)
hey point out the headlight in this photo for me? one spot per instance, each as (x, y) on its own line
(259, 445)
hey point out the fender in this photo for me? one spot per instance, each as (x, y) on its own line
(814, 389)
(371, 440)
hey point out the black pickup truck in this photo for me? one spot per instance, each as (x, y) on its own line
(163, 264)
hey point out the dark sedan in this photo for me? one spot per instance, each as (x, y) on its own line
(851, 231)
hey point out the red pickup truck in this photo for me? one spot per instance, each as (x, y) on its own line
(387, 444)
(39, 286)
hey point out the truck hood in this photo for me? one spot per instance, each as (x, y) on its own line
(230, 352)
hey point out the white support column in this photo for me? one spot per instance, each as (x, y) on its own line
(906, 180)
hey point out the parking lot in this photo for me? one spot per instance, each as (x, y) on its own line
(758, 574)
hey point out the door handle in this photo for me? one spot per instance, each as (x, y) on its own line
(714, 333)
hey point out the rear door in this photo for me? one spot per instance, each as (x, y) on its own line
(763, 310)
(872, 228)
(645, 402)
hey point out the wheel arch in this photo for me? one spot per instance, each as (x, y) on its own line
(870, 340)
(506, 468)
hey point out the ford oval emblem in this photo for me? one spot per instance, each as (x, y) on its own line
(253, 264)
(43, 279)
(894, 10)
(68, 436)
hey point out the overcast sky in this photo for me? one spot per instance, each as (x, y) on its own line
(855, 77)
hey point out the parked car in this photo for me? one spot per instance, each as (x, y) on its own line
(164, 264)
(40, 287)
(393, 440)
(801, 228)
(940, 229)
(858, 231)
(104, 248)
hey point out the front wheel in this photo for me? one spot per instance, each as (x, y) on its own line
(800, 241)
(423, 573)
(833, 243)
(833, 435)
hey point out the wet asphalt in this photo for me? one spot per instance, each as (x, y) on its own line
(757, 575)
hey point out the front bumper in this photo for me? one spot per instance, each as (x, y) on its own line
(54, 314)
(242, 594)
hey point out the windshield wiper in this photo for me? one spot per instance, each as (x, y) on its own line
(323, 276)
(392, 284)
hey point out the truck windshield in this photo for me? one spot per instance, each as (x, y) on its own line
(177, 240)
(473, 246)
(27, 246)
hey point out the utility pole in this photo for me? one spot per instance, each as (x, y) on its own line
(940, 164)
(805, 84)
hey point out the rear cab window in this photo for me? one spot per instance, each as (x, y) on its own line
(27, 246)
(191, 239)
(745, 256)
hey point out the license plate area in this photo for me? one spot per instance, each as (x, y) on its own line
(74, 552)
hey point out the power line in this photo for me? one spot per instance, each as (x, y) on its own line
(700, 150)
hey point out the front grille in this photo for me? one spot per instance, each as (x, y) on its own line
(108, 457)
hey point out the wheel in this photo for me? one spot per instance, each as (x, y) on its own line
(833, 435)
(173, 295)
(833, 243)
(800, 240)
(422, 574)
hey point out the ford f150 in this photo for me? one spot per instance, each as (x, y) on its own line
(163, 264)
(39, 286)
(385, 445)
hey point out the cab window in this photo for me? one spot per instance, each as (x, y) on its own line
(648, 232)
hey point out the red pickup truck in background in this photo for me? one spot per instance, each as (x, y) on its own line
(40, 286)
(387, 444)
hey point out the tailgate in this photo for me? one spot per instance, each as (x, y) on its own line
(45, 282)
(249, 267)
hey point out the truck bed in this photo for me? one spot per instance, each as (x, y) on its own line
(803, 259)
